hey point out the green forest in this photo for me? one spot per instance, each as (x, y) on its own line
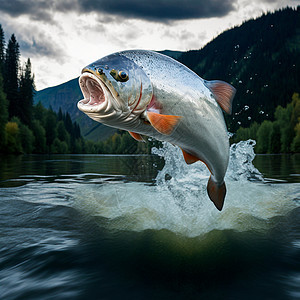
(279, 136)
(28, 128)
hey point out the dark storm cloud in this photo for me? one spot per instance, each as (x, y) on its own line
(42, 47)
(160, 10)
(38, 10)
(35, 42)
(155, 10)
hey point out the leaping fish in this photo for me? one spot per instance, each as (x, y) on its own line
(147, 93)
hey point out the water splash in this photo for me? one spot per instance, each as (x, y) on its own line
(240, 166)
(179, 202)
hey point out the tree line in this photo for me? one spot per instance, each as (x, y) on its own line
(25, 128)
(28, 128)
(279, 136)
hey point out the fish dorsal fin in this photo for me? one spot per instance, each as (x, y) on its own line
(136, 136)
(164, 124)
(223, 93)
(189, 158)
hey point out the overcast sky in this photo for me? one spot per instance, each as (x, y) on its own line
(61, 37)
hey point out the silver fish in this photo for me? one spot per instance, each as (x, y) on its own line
(147, 93)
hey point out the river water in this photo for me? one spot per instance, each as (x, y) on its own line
(142, 227)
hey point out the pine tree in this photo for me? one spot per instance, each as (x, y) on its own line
(26, 94)
(11, 67)
(2, 48)
(40, 137)
(3, 101)
(50, 127)
(3, 115)
(60, 115)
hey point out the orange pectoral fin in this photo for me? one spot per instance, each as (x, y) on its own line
(164, 124)
(136, 136)
(189, 158)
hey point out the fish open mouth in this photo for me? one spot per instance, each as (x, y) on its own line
(93, 90)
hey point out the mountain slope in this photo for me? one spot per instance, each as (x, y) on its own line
(261, 58)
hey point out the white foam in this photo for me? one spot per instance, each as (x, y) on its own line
(179, 202)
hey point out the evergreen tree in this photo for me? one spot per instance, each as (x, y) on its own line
(62, 133)
(2, 49)
(68, 124)
(59, 147)
(263, 137)
(11, 67)
(77, 132)
(275, 138)
(296, 141)
(40, 137)
(26, 94)
(27, 139)
(3, 115)
(283, 117)
(50, 127)
(39, 113)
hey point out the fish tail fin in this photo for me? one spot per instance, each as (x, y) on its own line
(216, 193)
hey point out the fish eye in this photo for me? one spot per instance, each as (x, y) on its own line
(123, 76)
(119, 75)
(99, 71)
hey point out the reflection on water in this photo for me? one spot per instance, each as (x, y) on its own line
(282, 167)
(142, 227)
(133, 167)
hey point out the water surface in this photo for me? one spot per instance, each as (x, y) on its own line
(142, 227)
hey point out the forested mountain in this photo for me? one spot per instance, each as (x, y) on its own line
(261, 58)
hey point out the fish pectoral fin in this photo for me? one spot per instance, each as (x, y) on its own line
(164, 124)
(136, 136)
(189, 158)
(223, 93)
(216, 193)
